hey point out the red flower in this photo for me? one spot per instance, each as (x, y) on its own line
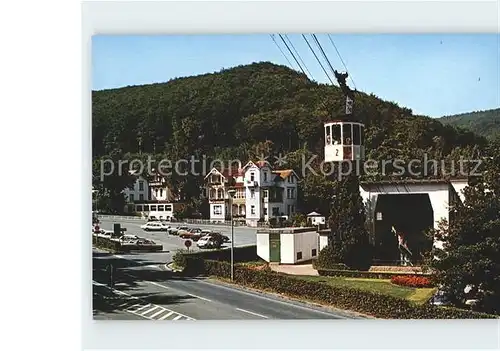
(411, 281)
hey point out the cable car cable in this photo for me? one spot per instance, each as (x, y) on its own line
(292, 54)
(286, 58)
(343, 63)
(317, 58)
(298, 55)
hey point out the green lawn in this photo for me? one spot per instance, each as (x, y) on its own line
(381, 286)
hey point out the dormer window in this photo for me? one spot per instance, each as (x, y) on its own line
(252, 176)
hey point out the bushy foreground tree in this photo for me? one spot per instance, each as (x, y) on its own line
(350, 244)
(467, 266)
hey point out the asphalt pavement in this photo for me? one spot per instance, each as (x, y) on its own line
(142, 289)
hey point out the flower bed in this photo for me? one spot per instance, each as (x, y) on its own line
(411, 281)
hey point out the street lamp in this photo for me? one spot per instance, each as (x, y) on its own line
(231, 195)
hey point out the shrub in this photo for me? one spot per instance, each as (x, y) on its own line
(329, 258)
(179, 259)
(105, 243)
(378, 305)
(412, 281)
(241, 254)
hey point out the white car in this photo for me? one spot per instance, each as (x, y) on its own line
(208, 242)
(129, 237)
(155, 226)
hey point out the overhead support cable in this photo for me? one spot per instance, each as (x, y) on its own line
(298, 55)
(318, 44)
(317, 58)
(341, 60)
(286, 58)
(291, 52)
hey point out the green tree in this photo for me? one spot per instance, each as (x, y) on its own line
(109, 179)
(347, 222)
(470, 250)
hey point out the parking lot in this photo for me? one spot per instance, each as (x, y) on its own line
(243, 236)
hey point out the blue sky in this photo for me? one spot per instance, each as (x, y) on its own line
(433, 74)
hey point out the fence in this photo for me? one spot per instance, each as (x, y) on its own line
(186, 221)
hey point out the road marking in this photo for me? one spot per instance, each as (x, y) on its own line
(146, 305)
(150, 310)
(166, 316)
(249, 312)
(166, 287)
(156, 314)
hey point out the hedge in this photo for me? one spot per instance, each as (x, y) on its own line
(365, 274)
(193, 262)
(378, 305)
(105, 243)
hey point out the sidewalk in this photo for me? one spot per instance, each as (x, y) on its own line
(294, 269)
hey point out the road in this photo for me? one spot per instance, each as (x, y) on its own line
(143, 290)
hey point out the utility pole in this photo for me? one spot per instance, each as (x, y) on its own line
(231, 195)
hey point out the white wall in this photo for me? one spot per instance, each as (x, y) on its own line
(305, 243)
(263, 246)
(323, 242)
(287, 248)
(136, 192)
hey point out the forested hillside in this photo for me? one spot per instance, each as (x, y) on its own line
(259, 108)
(485, 123)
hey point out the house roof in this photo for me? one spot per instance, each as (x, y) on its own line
(284, 173)
(258, 164)
(313, 214)
(226, 173)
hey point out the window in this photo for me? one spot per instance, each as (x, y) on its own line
(252, 209)
(276, 211)
(252, 176)
(265, 211)
(168, 207)
(299, 255)
(293, 208)
(161, 192)
(328, 135)
(265, 176)
(138, 208)
(160, 208)
(146, 208)
(141, 197)
(217, 210)
(252, 194)
(141, 185)
(356, 134)
(289, 209)
(153, 208)
(313, 253)
(131, 197)
(379, 216)
(336, 134)
(347, 131)
(266, 194)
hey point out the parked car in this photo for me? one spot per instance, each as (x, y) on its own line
(193, 234)
(175, 231)
(210, 241)
(156, 226)
(141, 245)
(129, 237)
